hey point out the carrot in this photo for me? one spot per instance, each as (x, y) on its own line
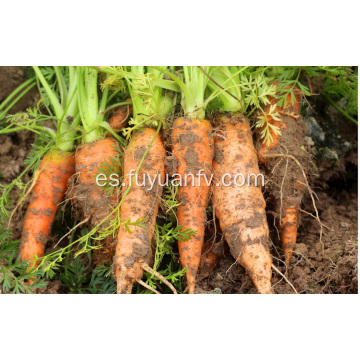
(118, 121)
(192, 146)
(120, 117)
(145, 156)
(241, 209)
(289, 175)
(55, 169)
(90, 198)
(133, 248)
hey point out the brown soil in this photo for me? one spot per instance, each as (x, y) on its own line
(15, 148)
(311, 270)
(331, 267)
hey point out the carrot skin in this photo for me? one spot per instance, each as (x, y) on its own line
(141, 202)
(55, 170)
(241, 209)
(193, 148)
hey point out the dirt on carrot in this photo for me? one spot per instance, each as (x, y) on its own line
(192, 147)
(241, 209)
(141, 203)
(90, 200)
(285, 183)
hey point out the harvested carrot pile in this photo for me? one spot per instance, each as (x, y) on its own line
(178, 180)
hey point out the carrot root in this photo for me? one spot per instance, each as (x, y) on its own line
(241, 209)
(56, 168)
(133, 247)
(193, 148)
(292, 183)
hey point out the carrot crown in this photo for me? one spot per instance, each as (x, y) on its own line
(91, 113)
(192, 89)
(151, 98)
(225, 86)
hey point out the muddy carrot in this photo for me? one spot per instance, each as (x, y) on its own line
(90, 198)
(145, 157)
(86, 192)
(142, 202)
(287, 197)
(239, 207)
(192, 146)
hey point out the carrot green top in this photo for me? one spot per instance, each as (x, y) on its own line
(64, 106)
(91, 113)
(151, 102)
(192, 89)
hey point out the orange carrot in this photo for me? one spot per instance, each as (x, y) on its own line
(289, 141)
(55, 169)
(289, 225)
(90, 198)
(193, 147)
(120, 117)
(133, 249)
(241, 209)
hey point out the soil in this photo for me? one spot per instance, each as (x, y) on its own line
(16, 147)
(331, 267)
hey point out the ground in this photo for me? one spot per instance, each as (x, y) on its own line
(330, 266)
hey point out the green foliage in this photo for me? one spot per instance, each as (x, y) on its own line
(257, 89)
(42, 145)
(13, 271)
(343, 84)
(166, 236)
(79, 279)
(337, 82)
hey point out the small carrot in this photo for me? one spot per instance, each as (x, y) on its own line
(288, 200)
(55, 169)
(120, 117)
(133, 248)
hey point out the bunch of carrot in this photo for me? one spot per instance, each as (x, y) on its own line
(216, 148)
